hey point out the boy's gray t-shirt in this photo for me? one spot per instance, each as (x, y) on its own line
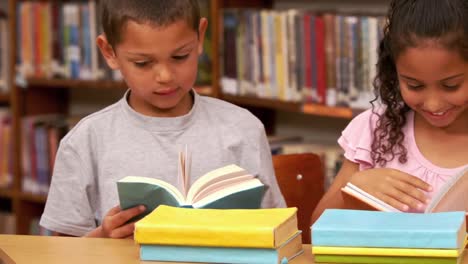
(117, 142)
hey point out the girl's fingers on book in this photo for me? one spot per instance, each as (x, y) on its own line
(412, 191)
(413, 180)
(403, 198)
(394, 203)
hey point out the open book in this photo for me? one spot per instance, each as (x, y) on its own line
(453, 196)
(227, 187)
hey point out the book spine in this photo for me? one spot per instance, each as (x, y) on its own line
(384, 238)
(208, 254)
(382, 260)
(320, 60)
(231, 237)
(265, 43)
(307, 83)
(374, 251)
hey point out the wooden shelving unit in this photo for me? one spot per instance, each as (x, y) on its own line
(35, 198)
(74, 84)
(327, 111)
(261, 102)
(307, 108)
(4, 193)
(35, 83)
(4, 98)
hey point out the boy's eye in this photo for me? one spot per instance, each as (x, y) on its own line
(451, 87)
(415, 87)
(180, 57)
(141, 64)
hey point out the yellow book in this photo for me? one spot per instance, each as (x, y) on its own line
(402, 252)
(252, 228)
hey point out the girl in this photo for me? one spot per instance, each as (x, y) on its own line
(403, 151)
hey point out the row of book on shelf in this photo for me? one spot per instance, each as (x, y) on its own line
(4, 55)
(6, 149)
(58, 40)
(297, 55)
(7, 223)
(40, 137)
(36, 230)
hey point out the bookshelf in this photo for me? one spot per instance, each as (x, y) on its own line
(4, 98)
(6, 194)
(37, 96)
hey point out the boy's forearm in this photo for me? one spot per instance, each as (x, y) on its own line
(97, 232)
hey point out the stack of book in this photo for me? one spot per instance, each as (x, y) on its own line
(253, 236)
(357, 236)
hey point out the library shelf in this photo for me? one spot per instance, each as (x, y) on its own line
(306, 108)
(30, 197)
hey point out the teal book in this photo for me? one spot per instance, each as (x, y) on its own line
(384, 259)
(360, 228)
(234, 255)
(229, 187)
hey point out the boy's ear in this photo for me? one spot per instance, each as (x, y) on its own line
(107, 51)
(201, 34)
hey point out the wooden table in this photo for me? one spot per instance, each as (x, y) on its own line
(60, 250)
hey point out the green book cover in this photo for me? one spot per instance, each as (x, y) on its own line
(383, 259)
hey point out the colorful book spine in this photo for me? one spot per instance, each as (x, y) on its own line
(260, 228)
(374, 251)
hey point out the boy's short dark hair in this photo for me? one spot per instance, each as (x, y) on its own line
(115, 13)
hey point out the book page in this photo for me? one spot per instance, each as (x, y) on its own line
(187, 168)
(215, 196)
(360, 197)
(183, 171)
(217, 186)
(217, 175)
(453, 196)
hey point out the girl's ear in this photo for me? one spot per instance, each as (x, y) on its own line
(107, 51)
(201, 34)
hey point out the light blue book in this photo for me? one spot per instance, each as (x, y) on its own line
(359, 228)
(282, 255)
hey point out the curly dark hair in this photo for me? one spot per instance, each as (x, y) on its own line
(408, 23)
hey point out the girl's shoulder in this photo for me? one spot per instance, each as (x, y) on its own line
(366, 120)
(357, 138)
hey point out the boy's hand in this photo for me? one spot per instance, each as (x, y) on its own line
(113, 224)
(396, 188)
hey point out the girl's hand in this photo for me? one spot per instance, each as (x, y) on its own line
(396, 188)
(114, 224)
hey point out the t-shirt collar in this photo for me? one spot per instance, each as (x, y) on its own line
(160, 124)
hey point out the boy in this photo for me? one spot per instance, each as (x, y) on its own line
(155, 45)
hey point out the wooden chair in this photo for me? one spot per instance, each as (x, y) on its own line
(301, 180)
